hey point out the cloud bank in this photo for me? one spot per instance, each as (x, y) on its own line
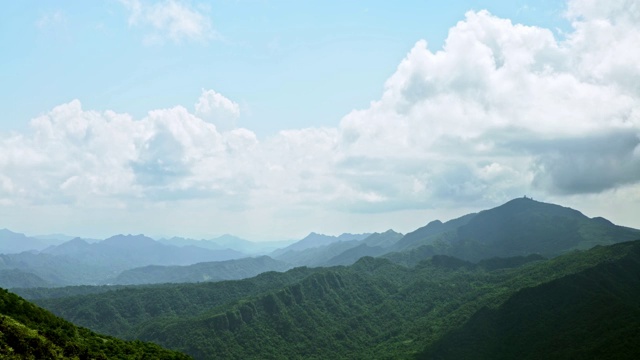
(500, 111)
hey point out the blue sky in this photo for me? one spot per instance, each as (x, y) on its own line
(271, 119)
(290, 64)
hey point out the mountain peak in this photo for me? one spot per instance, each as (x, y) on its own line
(6, 233)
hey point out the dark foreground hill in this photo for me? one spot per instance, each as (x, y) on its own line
(372, 309)
(29, 332)
(593, 314)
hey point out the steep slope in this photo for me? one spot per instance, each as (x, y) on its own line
(309, 319)
(207, 271)
(29, 332)
(122, 311)
(592, 314)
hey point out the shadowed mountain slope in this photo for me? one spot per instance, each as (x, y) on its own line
(517, 228)
(594, 314)
(29, 332)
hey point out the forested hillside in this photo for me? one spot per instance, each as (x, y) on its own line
(372, 309)
(205, 271)
(29, 332)
(593, 314)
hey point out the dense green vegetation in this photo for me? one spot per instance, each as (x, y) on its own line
(515, 281)
(120, 312)
(372, 309)
(66, 291)
(593, 314)
(29, 332)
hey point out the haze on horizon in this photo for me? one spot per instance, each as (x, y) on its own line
(268, 121)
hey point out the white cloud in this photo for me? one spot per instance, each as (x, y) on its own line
(172, 19)
(501, 111)
(219, 110)
(512, 94)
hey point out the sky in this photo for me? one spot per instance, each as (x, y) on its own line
(272, 119)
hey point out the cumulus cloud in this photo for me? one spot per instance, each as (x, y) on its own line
(170, 19)
(515, 97)
(501, 110)
(217, 109)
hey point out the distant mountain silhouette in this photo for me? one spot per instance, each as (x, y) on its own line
(517, 228)
(206, 271)
(123, 252)
(314, 240)
(229, 242)
(16, 278)
(13, 243)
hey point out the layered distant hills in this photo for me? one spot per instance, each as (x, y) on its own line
(517, 228)
(205, 271)
(571, 306)
(523, 280)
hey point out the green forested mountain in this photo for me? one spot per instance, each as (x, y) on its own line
(34, 293)
(121, 312)
(29, 332)
(372, 309)
(592, 314)
(482, 281)
(519, 227)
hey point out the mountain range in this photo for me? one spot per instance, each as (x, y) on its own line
(378, 309)
(517, 228)
(523, 280)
